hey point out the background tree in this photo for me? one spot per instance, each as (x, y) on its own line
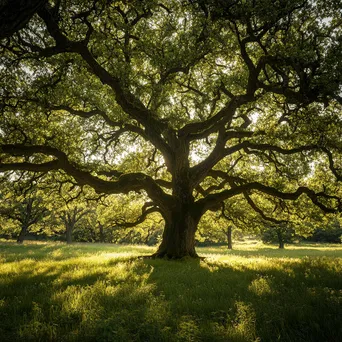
(233, 221)
(26, 209)
(187, 103)
(280, 234)
(129, 221)
(327, 230)
(71, 216)
(73, 206)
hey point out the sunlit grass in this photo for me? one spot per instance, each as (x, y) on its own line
(96, 292)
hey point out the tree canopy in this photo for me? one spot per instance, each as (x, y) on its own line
(192, 104)
(15, 14)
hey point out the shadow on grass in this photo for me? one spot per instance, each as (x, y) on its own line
(90, 298)
(298, 302)
(271, 252)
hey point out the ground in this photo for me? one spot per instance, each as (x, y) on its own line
(93, 292)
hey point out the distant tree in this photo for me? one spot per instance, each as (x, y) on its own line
(280, 234)
(219, 228)
(101, 227)
(71, 216)
(27, 210)
(330, 232)
(228, 232)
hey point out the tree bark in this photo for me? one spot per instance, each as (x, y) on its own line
(22, 234)
(229, 237)
(69, 234)
(280, 239)
(178, 239)
(181, 219)
(101, 235)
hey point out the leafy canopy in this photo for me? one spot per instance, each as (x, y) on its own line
(190, 102)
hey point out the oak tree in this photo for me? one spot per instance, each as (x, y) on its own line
(26, 209)
(190, 103)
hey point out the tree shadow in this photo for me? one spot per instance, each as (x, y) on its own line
(270, 252)
(134, 299)
(66, 300)
(240, 303)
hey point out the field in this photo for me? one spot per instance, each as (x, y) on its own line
(93, 292)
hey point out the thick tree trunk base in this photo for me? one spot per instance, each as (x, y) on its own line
(178, 240)
(177, 245)
(156, 256)
(164, 254)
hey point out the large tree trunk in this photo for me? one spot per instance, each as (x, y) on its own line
(181, 219)
(22, 234)
(179, 237)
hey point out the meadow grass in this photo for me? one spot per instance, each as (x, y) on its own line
(96, 292)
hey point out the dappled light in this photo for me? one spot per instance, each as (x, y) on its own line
(109, 293)
(171, 170)
(153, 122)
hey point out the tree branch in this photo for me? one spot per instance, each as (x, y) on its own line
(332, 167)
(154, 128)
(213, 200)
(140, 219)
(125, 183)
(260, 212)
(15, 14)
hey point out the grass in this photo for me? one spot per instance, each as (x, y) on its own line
(93, 292)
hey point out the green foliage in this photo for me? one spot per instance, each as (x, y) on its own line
(23, 208)
(327, 235)
(331, 233)
(231, 107)
(273, 234)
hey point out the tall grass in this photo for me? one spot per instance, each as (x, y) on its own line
(53, 292)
